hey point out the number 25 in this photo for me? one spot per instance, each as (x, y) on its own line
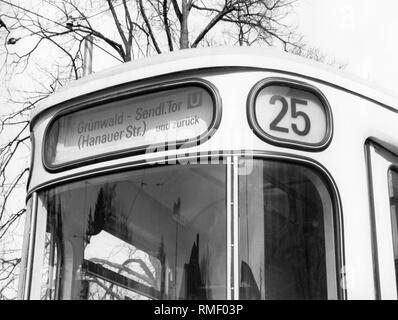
(294, 113)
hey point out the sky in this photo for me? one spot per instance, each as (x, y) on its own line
(361, 33)
(358, 33)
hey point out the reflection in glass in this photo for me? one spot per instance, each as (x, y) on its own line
(157, 233)
(285, 233)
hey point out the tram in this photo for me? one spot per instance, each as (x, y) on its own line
(217, 173)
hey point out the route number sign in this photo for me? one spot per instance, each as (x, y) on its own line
(287, 113)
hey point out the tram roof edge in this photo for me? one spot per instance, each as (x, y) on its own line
(217, 57)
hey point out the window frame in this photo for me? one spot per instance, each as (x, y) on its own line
(379, 163)
(393, 169)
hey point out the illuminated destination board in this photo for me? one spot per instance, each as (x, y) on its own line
(170, 116)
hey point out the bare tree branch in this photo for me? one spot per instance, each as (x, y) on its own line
(167, 25)
(148, 25)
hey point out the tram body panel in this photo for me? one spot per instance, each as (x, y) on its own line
(234, 115)
(343, 159)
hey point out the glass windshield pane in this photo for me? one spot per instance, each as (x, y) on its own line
(155, 233)
(285, 233)
(394, 217)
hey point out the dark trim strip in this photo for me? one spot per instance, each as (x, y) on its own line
(372, 211)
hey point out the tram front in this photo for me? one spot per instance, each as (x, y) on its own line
(185, 177)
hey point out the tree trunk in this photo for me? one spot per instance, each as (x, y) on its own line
(184, 43)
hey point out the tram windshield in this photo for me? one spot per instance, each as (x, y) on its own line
(157, 233)
(161, 233)
(286, 236)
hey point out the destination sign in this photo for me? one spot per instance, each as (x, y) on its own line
(290, 114)
(169, 116)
